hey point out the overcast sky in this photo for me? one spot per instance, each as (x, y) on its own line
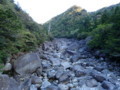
(43, 10)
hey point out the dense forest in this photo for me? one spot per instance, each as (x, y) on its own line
(18, 32)
(103, 26)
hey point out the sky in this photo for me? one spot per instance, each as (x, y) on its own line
(43, 10)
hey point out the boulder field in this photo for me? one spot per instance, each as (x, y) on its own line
(61, 64)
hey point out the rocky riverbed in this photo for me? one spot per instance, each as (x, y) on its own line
(61, 64)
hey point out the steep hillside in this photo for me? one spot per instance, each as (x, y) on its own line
(18, 32)
(69, 23)
(103, 25)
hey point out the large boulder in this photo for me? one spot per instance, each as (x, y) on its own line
(91, 83)
(108, 85)
(99, 76)
(7, 83)
(27, 64)
(80, 73)
(65, 77)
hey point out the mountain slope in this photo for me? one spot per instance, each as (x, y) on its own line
(103, 26)
(69, 22)
(18, 32)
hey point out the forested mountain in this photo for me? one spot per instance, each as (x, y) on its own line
(18, 32)
(69, 23)
(103, 26)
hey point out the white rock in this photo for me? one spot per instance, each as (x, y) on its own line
(74, 80)
(45, 84)
(7, 67)
(65, 64)
(33, 87)
(37, 85)
(63, 87)
(71, 85)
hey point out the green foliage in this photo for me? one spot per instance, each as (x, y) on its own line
(100, 34)
(106, 36)
(82, 35)
(18, 32)
(1, 67)
(69, 23)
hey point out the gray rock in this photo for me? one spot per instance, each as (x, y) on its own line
(74, 46)
(99, 68)
(39, 71)
(36, 80)
(75, 58)
(44, 56)
(7, 83)
(70, 52)
(33, 87)
(81, 82)
(108, 85)
(27, 64)
(56, 55)
(117, 87)
(46, 46)
(105, 71)
(26, 84)
(37, 85)
(80, 73)
(45, 84)
(65, 77)
(91, 83)
(59, 74)
(51, 74)
(84, 65)
(98, 76)
(77, 67)
(52, 87)
(63, 87)
(66, 64)
(7, 67)
(55, 61)
(81, 50)
(46, 64)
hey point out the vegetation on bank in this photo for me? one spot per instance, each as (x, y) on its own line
(103, 25)
(18, 32)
